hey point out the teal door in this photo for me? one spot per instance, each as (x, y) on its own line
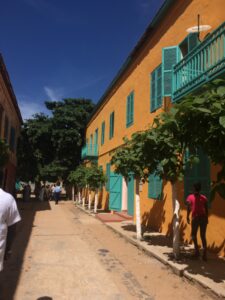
(115, 191)
(130, 195)
(198, 173)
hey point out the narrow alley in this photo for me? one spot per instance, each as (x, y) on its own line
(62, 253)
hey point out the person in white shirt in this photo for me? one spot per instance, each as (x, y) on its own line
(9, 217)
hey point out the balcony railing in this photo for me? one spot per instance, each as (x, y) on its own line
(202, 64)
(89, 151)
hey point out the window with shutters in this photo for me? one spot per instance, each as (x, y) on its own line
(130, 110)
(111, 125)
(103, 133)
(108, 176)
(198, 173)
(154, 187)
(6, 129)
(170, 57)
(156, 88)
(188, 44)
(12, 139)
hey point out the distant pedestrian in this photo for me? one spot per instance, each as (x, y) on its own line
(57, 192)
(197, 205)
(42, 194)
(26, 192)
(9, 217)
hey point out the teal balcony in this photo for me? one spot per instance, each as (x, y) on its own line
(89, 151)
(204, 63)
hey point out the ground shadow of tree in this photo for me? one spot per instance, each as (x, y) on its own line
(9, 277)
(214, 268)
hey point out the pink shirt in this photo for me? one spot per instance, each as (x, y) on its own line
(197, 203)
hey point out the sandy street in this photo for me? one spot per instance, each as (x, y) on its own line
(62, 253)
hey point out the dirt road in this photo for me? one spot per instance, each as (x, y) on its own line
(62, 253)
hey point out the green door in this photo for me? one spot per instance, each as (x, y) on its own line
(115, 191)
(198, 173)
(130, 195)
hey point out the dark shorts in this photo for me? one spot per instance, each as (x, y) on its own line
(199, 222)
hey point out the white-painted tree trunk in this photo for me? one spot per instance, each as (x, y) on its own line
(96, 202)
(176, 229)
(138, 211)
(89, 200)
(79, 197)
(73, 193)
(83, 201)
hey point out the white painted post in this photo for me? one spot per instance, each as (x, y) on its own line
(176, 229)
(138, 211)
(96, 202)
(73, 194)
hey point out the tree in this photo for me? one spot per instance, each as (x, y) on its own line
(50, 146)
(202, 120)
(130, 159)
(69, 119)
(79, 179)
(95, 180)
(35, 149)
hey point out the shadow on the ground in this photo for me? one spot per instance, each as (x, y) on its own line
(9, 277)
(213, 268)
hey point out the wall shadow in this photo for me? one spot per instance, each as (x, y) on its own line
(9, 277)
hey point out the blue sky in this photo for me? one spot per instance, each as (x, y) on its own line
(55, 49)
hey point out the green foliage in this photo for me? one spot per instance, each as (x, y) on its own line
(95, 177)
(51, 146)
(78, 177)
(4, 154)
(130, 157)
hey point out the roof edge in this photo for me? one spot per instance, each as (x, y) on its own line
(157, 18)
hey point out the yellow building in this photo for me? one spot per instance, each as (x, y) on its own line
(170, 60)
(10, 123)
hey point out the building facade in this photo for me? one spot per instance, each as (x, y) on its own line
(10, 124)
(170, 60)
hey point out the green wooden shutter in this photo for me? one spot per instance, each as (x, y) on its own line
(108, 176)
(155, 187)
(153, 91)
(130, 110)
(159, 87)
(103, 133)
(198, 173)
(12, 139)
(170, 57)
(111, 126)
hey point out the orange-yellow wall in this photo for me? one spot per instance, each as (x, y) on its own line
(170, 32)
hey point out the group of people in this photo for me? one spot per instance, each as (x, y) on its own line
(44, 192)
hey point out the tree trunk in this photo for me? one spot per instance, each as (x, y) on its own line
(89, 200)
(176, 230)
(79, 197)
(96, 202)
(83, 200)
(138, 211)
(73, 193)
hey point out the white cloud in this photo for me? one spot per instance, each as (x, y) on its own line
(28, 108)
(53, 94)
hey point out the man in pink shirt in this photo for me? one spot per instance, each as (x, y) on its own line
(197, 205)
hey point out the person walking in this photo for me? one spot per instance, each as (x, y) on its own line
(197, 205)
(57, 192)
(9, 217)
